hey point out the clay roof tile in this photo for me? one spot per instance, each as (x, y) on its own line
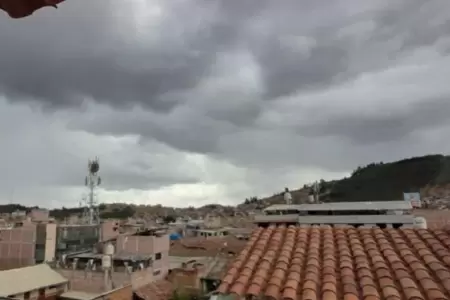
(311, 263)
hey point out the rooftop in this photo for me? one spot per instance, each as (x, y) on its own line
(200, 246)
(21, 280)
(336, 206)
(342, 263)
(116, 256)
(158, 290)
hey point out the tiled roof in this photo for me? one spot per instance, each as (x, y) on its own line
(158, 290)
(312, 263)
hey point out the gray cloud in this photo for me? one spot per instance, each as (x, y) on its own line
(270, 89)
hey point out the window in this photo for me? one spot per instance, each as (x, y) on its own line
(158, 256)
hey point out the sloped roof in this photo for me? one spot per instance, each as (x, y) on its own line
(27, 279)
(158, 290)
(342, 263)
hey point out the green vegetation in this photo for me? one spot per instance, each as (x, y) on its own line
(378, 181)
(388, 181)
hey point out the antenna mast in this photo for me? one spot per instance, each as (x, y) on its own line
(92, 181)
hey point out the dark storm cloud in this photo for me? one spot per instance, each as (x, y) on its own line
(60, 60)
(385, 127)
(299, 46)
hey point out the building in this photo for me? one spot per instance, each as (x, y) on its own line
(292, 262)
(383, 214)
(28, 243)
(18, 246)
(342, 208)
(35, 282)
(109, 230)
(197, 275)
(212, 221)
(71, 238)
(149, 242)
(39, 215)
(86, 274)
(138, 259)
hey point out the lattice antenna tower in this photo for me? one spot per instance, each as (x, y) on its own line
(92, 181)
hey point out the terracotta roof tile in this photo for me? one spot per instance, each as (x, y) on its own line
(314, 263)
(158, 290)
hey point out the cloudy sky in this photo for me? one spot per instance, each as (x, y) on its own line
(188, 102)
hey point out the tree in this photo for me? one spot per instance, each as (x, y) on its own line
(169, 219)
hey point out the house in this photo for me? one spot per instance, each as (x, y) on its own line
(136, 259)
(35, 282)
(151, 242)
(312, 262)
(28, 243)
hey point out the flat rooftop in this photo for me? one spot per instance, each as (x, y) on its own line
(336, 206)
(124, 256)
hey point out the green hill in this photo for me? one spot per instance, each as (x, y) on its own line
(379, 181)
(388, 181)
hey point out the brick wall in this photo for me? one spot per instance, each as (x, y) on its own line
(94, 282)
(17, 247)
(124, 293)
(148, 245)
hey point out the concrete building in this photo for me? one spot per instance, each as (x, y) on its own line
(138, 259)
(39, 215)
(28, 243)
(150, 242)
(197, 275)
(18, 246)
(35, 282)
(212, 221)
(109, 230)
(382, 214)
(71, 238)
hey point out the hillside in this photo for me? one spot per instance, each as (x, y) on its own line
(384, 181)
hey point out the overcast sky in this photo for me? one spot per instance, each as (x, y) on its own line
(189, 102)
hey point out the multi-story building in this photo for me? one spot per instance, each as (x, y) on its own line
(71, 238)
(148, 242)
(18, 246)
(138, 260)
(28, 243)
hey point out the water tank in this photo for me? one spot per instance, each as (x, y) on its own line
(174, 236)
(420, 222)
(106, 261)
(108, 249)
(311, 198)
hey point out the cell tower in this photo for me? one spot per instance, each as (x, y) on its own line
(92, 181)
